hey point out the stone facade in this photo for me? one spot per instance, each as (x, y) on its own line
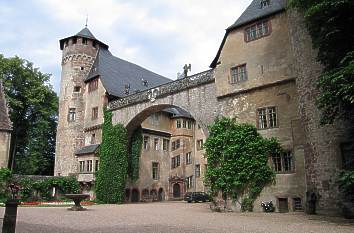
(168, 160)
(5, 130)
(266, 79)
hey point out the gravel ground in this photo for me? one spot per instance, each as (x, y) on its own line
(169, 217)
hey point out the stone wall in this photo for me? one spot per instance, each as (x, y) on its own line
(322, 148)
(5, 137)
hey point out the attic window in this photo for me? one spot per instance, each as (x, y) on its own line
(265, 3)
(74, 40)
(84, 41)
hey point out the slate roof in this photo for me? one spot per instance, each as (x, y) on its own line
(90, 149)
(84, 33)
(253, 12)
(5, 123)
(116, 73)
(178, 112)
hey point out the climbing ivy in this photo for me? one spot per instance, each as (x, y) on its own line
(137, 142)
(238, 160)
(111, 177)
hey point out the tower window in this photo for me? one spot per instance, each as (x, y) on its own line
(84, 41)
(72, 114)
(74, 40)
(178, 123)
(200, 144)
(94, 113)
(189, 124)
(77, 89)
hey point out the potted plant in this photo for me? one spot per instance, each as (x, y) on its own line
(346, 186)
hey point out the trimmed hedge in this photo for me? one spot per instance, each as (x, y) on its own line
(112, 175)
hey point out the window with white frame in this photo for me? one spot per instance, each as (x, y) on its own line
(156, 143)
(82, 166)
(146, 142)
(89, 165)
(189, 158)
(197, 170)
(257, 30)
(267, 118)
(189, 182)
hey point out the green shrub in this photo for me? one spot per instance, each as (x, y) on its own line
(5, 179)
(111, 177)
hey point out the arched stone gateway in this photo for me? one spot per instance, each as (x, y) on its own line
(195, 94)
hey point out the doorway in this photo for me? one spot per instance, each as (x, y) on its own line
(176, 191)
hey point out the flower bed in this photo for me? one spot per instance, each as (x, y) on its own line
(51, 203)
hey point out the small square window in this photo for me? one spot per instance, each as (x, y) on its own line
(77, 89)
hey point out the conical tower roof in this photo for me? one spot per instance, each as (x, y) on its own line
(84, 33)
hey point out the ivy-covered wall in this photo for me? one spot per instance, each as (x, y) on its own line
(112, 175)
(136, 146)
(238, 161)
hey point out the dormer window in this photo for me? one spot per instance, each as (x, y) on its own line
(265, 3)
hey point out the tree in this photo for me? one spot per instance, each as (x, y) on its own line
(238, 160)
(330, 23)
(113, 172)
(33, 112)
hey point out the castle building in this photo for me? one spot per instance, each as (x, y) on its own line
(264, 73)
(5, 130)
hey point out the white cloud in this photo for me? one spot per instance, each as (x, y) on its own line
(157, 34)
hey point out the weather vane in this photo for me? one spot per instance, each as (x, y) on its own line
(86, 20)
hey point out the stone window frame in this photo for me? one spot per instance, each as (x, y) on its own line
(257, 26)
(155, 170)
(94, 111)
(200, 144)
(165, 144)
(82, 166)
(156, 143)
(93, 139)
(175, 161)
(189, 124)
(235, 74)
(89, 165)
(77, 89)
(97, 165)
(283, 163)
(146, 142)
(189, 158)
(189, 182)
(267, 118)
(197, 170)
(178, 124)
(72, 115)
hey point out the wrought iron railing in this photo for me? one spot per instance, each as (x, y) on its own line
(163, 90)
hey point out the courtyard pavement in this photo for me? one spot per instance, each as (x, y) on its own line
(166, 217)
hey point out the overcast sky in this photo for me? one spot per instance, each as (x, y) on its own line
(160, 35)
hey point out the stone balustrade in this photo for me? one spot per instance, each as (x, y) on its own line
(164, 90)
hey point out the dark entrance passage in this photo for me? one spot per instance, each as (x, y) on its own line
(176, 191)
(135, 195)
(161, 195)
(283, 205)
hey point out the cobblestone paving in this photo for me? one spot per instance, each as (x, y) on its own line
(169, 217)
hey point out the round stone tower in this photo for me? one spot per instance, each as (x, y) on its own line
(79, 53)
